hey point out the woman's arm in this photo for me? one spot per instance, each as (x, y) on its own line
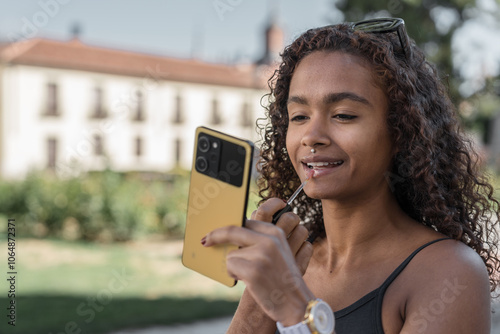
(250, 316)
(450, 294)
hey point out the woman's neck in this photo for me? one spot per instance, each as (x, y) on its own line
(352, 227)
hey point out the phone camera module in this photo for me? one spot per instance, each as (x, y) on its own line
(201, 164)
(203, 144)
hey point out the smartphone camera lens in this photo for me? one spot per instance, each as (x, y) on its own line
(203, 144)
(201, 164)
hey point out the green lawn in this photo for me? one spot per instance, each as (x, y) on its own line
(75, 287)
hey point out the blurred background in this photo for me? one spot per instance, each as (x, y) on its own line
(98, 105)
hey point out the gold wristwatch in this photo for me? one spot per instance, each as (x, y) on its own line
(319, 317)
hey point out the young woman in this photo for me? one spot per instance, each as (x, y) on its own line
(402, 223)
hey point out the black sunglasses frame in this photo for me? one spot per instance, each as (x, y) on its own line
(386, 25)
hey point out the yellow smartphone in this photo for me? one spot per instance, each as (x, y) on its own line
(218, 195)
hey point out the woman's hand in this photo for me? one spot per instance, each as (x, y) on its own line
(290, 224)
(266, 261)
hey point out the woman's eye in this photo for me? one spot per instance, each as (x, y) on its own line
(344, 117)
(298, 118)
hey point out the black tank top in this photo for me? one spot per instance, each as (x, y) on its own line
(365, 315)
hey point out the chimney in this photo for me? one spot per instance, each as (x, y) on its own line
(274, 38)
(76, 31)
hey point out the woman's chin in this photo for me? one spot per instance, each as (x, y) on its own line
(318, 194)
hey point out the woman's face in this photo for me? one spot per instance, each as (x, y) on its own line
(335, 107)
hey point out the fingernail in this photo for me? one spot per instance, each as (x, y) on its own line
(204, 240)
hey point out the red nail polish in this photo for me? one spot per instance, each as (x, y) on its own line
(204, 240)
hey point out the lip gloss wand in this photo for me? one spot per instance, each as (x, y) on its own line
(288, 206)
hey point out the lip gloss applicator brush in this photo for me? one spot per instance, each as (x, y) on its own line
(288, 206)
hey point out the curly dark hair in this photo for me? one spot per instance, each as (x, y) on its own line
(436, 174)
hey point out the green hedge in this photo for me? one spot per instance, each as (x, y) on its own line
(104, 206)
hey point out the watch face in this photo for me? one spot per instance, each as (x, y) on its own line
(324, 320)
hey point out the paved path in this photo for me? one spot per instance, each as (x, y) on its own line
(216, 326)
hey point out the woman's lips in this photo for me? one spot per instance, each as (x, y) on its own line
(318, 168)
(309, 173)
(324, 164)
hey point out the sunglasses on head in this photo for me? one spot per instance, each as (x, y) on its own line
(386, 25)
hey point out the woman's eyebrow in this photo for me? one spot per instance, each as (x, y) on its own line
(331, 98)
(337, 97)
(296, 99)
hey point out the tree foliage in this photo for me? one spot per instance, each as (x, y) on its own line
(432, 24)
(101, 206)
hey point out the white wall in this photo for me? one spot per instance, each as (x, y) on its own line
(25, 129)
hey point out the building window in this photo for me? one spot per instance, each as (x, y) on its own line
(98, 108)
(139, 109)
(246, 115)
(98, 145)
(51, 153)
(178, 110)
(178, 151)
(216, 117)
(52, 100)
(138, 147)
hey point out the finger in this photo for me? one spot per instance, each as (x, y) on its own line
(288, 222)
(241, 268)
(253, 261)
(267, 209)
(303, 256)
(235, 267)
(236, 235)
(297, 237)
(266, 229)
(258, 263)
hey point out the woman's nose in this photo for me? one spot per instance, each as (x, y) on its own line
(316, 132)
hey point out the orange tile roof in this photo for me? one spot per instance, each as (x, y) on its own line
(78, 56)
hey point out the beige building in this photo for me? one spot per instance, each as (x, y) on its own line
(72, 107)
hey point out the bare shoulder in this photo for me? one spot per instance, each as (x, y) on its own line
(452, 257)
(448, 291)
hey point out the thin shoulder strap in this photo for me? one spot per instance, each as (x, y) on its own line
(403, 265)
(392, 277)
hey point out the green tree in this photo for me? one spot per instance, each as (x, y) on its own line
(432, 24)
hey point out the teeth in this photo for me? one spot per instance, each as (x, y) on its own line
(318, 164)
(323, 164)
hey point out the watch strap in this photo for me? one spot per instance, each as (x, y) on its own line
(318, 318)
(300, 328)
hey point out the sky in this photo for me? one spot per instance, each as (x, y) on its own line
(213, 30)
(221, 31)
